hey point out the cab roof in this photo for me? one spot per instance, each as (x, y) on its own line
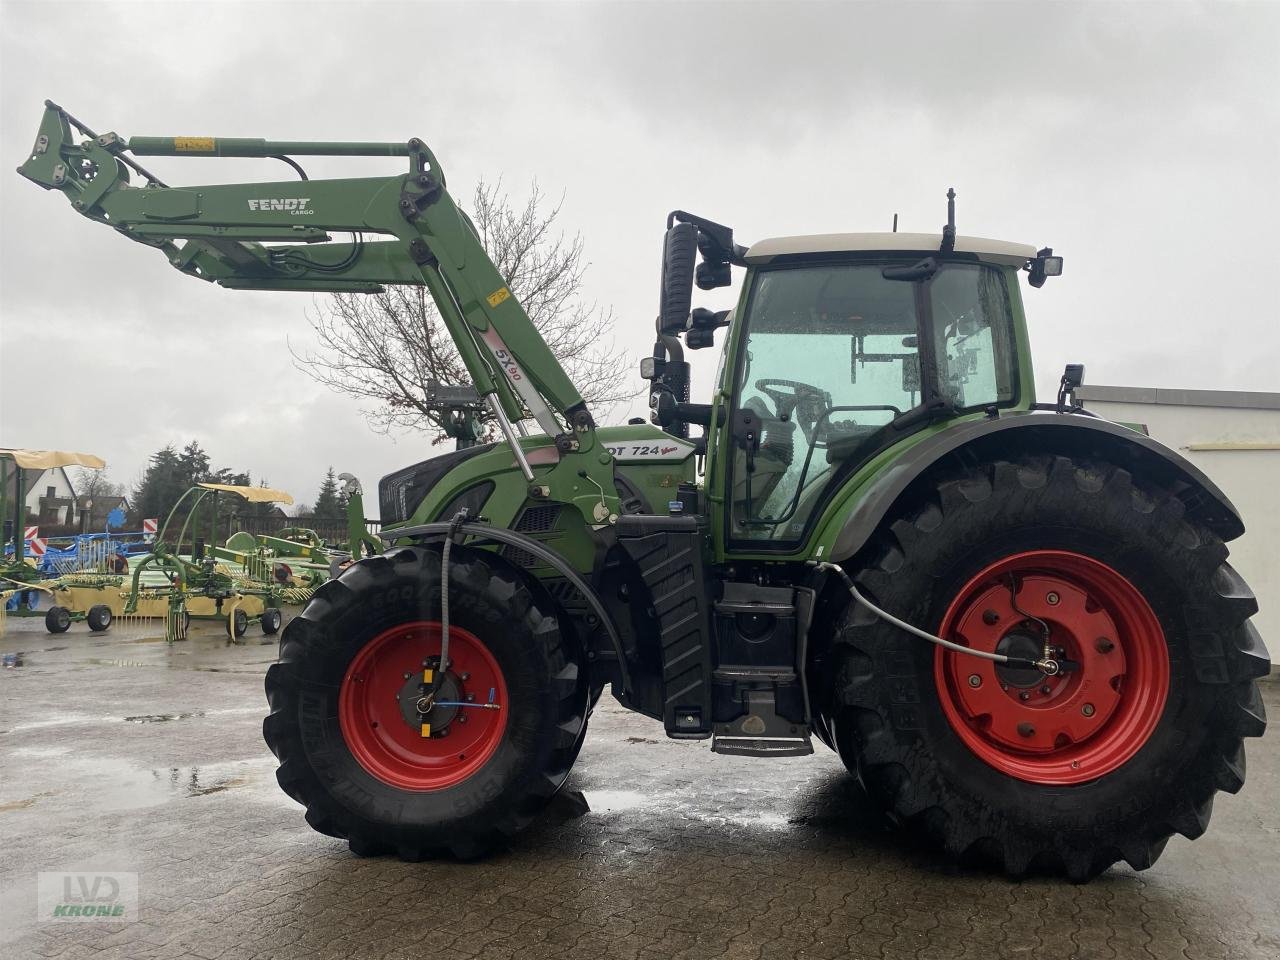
(992, 251)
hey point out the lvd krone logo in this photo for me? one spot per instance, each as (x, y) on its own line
(84, 895)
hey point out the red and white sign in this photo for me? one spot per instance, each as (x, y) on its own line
(37, 546)
(149, 528)
(30, 533)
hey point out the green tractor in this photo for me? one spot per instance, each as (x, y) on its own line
(1014, 621)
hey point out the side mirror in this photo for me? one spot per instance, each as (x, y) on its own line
(1043, 266)
(679, 250)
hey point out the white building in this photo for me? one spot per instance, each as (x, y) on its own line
(1234, 437)
(50, 496)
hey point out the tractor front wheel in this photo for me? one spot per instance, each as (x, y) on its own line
(1066, 773)
(396, 752)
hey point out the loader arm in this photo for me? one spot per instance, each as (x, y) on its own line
(279, 236)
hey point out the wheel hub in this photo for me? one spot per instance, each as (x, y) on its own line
(1078, 724)
(418, 701)
(1020, 643)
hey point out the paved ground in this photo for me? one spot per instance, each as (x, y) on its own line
(122, 755)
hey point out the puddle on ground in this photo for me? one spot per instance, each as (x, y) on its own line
(75, 720)
(23, 804)
(115, 785)
(684, 806)
(163, 717)
(12, 660)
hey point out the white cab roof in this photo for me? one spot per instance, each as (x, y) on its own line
(993, 251)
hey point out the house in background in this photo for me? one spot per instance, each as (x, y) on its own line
(91, 512)
(50, 496)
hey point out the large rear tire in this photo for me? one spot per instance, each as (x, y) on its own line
(372, 770)
(1066, 774)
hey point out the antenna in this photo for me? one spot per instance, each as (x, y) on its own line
(895, 223)
(949, 231)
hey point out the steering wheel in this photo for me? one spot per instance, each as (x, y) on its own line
(804, 400)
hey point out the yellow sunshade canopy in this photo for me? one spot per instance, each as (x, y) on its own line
(252, 494)
(49, 459)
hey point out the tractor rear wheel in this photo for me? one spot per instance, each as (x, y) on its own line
(388, 754)
(1070, 773)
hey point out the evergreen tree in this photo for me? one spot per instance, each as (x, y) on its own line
(163, 483)
(328, 503)
(170, 474)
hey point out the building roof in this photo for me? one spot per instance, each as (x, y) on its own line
(1166, 396)
(994, 251)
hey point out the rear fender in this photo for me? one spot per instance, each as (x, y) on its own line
(1037, 432)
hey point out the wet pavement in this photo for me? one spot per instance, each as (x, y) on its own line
(120, 754)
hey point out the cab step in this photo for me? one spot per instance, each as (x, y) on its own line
(760, 732)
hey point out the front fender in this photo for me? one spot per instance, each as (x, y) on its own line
(1064, 434)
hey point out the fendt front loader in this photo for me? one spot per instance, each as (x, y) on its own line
(1015, 621)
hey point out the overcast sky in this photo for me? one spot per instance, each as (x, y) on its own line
(1141, 141)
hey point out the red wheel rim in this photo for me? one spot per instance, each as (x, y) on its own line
(386, 674)
(1078, 725)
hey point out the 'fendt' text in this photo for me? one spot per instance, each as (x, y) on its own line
(295, 205)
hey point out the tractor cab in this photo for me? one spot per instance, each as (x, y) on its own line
(840, 346)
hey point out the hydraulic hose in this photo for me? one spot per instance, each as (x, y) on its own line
(1046, 665)
(458, 520)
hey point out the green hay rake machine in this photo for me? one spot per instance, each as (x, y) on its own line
(1015, 621)
(239, 583)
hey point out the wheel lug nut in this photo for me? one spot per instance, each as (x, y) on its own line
(1026, 730)
(1087, 709)
(1104, 645)
(1046, 690)
(1024, 695)
(990, 617)
(1053, 598)
(466, 676)
(408, 675)
(975, 680)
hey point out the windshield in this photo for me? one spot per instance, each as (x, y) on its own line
(833, 355)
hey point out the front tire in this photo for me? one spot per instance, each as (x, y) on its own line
(1066, 774)
(346, 720)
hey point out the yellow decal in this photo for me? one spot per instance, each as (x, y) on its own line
(426, 729)
(495, 298)
(193, 144)
(427, 675)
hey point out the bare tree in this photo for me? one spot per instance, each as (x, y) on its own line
(384, 348)
(96, 485)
